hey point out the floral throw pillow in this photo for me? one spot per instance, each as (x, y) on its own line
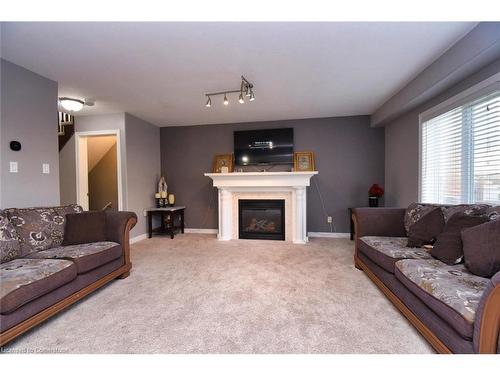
(38, 228)
(9, 240)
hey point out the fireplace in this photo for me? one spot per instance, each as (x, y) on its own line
(262, 219)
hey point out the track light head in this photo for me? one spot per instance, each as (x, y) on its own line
(252, 95)
(226, 102)
(209, 103)
(240, 99)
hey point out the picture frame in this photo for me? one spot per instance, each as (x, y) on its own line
(303, 161)
(223, 160)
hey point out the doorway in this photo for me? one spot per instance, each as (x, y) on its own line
(98, 170)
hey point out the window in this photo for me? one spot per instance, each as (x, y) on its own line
(460, 153)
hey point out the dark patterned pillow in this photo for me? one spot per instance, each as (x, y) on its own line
(60, 221)
(448, 247)
(10, 247)
(415, 212)
(493, 213)
(468, 209)
(482, 248)
(426, 230)
(36, 228)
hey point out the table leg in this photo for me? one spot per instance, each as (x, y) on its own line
(182, 221)
(150, 224)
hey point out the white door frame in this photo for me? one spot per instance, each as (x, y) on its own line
(82, 173)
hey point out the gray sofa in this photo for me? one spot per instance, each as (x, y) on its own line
(455, 310)
(40, 277)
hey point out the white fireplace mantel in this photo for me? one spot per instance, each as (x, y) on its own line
(259, 183)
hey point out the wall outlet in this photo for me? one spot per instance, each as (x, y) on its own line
(45, 168)
(145, 213)
(13, 167)
(329, 219)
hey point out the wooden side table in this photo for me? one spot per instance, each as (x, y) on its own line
(167, 217)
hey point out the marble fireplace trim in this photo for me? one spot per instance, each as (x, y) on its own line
(287, 196)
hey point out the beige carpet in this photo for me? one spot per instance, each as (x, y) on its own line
(195, 294)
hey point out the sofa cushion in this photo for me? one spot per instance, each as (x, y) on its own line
(481, 246)
(24, 280)
(452, 292)
(9, 240)
(426, 230)
(85, 256)
(39, 228)
(386, 251)
(85, 227)
(448, 247)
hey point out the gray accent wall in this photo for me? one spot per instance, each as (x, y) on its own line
(402, 143)
(143, 167)
(28, 115)
(349, 158)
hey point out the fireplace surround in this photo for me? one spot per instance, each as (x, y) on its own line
(287, 186)
(261, 219)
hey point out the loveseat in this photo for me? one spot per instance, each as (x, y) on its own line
(454, 309)
(40, 277)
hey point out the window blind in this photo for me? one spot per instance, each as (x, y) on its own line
(460, 154)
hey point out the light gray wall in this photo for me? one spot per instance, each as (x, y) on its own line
(140, 154)
(477, 49)
(349, 158)
(67, 172)
(402, 142)
(143, 167)
(28, 115)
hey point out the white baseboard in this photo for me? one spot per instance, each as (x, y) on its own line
(329, 234)
(201, 231)
(138, 238)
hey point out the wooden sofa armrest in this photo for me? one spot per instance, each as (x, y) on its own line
(118, 227)
(489, 324)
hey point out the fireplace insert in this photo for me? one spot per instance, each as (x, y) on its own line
(262, 219)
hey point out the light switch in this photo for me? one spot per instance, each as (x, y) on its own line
(45, 168)
(13, 167)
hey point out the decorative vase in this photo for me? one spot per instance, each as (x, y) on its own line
(373, 201)
(171, 199)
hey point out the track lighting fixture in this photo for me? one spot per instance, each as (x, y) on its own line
(246, 89)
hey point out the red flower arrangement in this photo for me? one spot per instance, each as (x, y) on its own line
(376, 191)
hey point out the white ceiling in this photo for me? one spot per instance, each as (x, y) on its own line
(160, 71)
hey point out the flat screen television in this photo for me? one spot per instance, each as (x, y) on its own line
(268, 146)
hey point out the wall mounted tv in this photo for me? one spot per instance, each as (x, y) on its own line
(267, 146)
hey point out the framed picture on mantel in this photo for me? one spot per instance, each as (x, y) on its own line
(303, 161)
(223, 163)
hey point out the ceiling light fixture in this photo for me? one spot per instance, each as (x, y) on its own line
(246, 89)
(72, 105)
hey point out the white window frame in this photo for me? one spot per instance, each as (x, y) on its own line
(477, 91)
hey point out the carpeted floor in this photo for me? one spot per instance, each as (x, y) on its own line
(195, 294)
